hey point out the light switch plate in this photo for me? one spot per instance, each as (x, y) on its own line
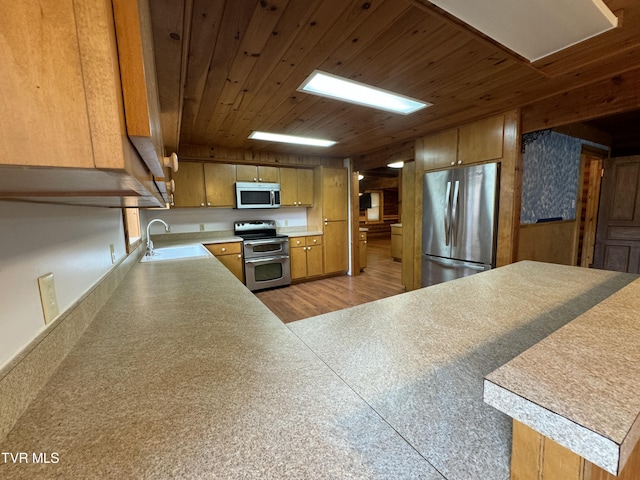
(48, 297)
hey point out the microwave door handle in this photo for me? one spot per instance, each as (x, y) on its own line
(273, 197)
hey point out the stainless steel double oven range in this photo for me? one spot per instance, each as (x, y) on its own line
(266, 254)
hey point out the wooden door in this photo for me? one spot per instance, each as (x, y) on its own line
(481, 141)
(220, 184)
(189, 185)
(439, 150)
(335, 194)
(588, 201)
(335, 246)
(246, 173)
(288, 187)
(618, 232)
(268, 174)
(305, 186)
(298, 262)
(315, 261)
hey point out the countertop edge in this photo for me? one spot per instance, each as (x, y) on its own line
(595, 448)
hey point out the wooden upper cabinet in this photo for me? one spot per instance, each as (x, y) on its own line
(296, 187)
(335, 193)
(138, 74)
(219, 179)
(481, 141)
(204, 185)
(439, 150)
(190, 189)
(63, 109)
(253, 173)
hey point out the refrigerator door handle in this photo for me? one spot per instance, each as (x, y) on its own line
(447, 223)
(454, 212)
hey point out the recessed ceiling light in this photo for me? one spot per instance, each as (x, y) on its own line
(399, 164)
(276, 137)
(332, 86)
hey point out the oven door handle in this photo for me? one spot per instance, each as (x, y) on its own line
(267, 259)
(271, 241)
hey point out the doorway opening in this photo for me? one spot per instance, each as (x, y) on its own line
(588, 200)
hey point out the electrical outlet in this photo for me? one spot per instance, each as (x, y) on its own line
(113, 253)
(202, 227)
(48, 297)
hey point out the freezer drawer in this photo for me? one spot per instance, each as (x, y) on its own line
(437, 270)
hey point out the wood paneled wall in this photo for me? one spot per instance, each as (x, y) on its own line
(552, 242)
(219, 154)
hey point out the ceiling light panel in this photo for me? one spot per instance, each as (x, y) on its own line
(534, 28)
(277, 137)
(338, 88)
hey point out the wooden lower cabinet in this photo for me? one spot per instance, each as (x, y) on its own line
(536, 457)
(336, 248)
(230, 255)
(306, 256)
(363, 250)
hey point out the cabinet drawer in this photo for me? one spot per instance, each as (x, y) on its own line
(314, 240)
(224, 248)
(297, 242)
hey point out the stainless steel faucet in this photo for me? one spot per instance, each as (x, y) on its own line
(167, 227)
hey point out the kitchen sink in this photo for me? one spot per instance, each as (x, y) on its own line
(177, 253)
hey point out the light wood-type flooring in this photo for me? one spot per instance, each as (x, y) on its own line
(381, 278)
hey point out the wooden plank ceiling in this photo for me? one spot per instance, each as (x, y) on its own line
(228, 67)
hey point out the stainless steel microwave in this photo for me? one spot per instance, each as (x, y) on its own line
(257, 195)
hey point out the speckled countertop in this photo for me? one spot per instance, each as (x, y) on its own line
(580, 386)
(185, 374)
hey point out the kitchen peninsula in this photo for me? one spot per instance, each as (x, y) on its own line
(184, 373)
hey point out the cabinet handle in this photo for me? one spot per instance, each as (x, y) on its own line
(459, 162)
(255, 179)
(208, 204)
(304, 248)
(453, 163)
(171, 186)
(297, 242)
(259, 179)
(171, 161)
(315, 241)
(308, 249)
(224, 249)
(202, 204)
(365, 241)
(239, 255)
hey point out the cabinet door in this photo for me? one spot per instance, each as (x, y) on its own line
(305, 187)
(246, 173)
(269, 174)
(189, 185)
(335, 246)
(288, 187)
(481, 141)
(44, 111)
(298, 262)
(363, 249)
(234, 263)
(315, 265)
(220, 184)
(439, 150)
(334, 194)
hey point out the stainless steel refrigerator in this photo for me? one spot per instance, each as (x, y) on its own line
(459, 221)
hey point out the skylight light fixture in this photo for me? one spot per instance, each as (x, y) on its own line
(332, 86)
(277, 137)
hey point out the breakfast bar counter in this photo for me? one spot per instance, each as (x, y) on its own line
(185, 374)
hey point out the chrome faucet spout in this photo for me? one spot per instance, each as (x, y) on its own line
(167, 228)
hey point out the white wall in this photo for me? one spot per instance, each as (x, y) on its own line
(72, 242)
(184, 220)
